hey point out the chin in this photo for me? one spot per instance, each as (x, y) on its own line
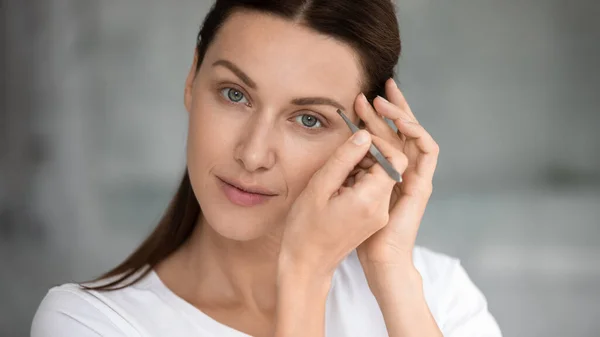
(233, 221)
(236, 227)
(238, 223)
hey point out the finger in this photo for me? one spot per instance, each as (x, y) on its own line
(354, 171)
(349, 182)
(417, 132)
(359, 176)
(367, 162)
(377, 177)
(408, 210)
(393, 154)
(375, 185)
(341, 190)
(410, 129)
(334, 172)
(390, 110)
(396, 97)
(381, 104)
(425, 143)
(373, 121)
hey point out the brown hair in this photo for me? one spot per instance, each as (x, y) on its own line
(370, 27)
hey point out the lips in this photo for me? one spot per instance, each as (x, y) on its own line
(254, 189)
(245, 195)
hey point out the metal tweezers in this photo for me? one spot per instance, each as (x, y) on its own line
(387, 166)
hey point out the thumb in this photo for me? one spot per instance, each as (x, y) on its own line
(336, 169)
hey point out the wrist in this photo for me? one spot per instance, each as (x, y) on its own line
(301, 301)
(395, 283)
(307, 268)
(293, 275)
(399, 294)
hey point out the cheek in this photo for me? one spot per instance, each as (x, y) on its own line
(207, 141)
(304, 159)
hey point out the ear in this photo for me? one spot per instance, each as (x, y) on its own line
(189, 85)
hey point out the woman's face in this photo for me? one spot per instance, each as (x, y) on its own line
(262, 116)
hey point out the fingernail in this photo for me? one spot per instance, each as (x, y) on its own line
(394, 81)
(364, 98)
(385, 100)
(360, 138)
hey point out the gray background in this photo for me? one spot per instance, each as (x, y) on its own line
(92, 135)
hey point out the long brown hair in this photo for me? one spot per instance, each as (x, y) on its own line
(370, 27)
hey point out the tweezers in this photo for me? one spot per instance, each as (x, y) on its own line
(387, 166)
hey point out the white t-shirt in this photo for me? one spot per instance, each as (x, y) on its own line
(149, 308)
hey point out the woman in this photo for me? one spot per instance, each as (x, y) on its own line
(282, 224)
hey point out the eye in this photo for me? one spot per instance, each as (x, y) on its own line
(234, 95)
(309, 121)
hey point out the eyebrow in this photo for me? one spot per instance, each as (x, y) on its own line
(318, 101)
(296, 101)
(237, 71)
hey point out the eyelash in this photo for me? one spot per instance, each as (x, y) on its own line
(321, 120)
(312, 129)
(228, 100)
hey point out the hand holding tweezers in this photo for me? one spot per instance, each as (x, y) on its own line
(387, 166)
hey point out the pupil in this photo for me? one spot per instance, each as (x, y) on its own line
(309, 120)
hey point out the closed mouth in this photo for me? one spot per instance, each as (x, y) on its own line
(249, 189)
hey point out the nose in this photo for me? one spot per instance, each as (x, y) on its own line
(254, 150)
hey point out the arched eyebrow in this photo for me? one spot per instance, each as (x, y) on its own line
(296, 101)
(318, 101)
(237, 71)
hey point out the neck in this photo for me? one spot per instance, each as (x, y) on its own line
(212, 271)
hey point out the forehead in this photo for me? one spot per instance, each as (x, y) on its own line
(285, 57)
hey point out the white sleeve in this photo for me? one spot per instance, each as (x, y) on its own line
(64, 313)
(462, 306)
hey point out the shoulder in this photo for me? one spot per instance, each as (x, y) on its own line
(69, 310)
(73, 310)
(457, 304)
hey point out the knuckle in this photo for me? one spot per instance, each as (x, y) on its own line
(422, 188)
(363, 205)
(435, 147)
(401, 160)
(427, 189)
(368, 206)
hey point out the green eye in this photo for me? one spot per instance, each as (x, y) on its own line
(234, 95)
(309, 121)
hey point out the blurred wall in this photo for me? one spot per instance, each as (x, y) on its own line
(92, 136)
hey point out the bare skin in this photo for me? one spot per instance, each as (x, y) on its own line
(238, 265)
